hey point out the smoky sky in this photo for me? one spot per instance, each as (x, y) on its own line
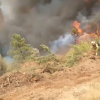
(38, 21)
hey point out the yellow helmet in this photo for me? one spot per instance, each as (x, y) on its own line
(93, 42)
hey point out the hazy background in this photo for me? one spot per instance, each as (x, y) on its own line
(46, 22)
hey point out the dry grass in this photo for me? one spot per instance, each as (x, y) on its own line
(93, 94)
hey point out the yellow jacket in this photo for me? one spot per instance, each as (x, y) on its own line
(94, 47)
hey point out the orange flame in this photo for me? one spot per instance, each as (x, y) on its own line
(77, 26)
(88, 35)
(89, 26)
(87, 0)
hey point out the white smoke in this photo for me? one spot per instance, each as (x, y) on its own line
(62, 42)
(7, 10)
(8, 59)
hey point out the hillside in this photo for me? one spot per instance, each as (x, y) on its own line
(54, 48)
(80, 82)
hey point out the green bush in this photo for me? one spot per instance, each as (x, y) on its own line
(3, 65)
(49, 57)
(46, 58)
(74, 55)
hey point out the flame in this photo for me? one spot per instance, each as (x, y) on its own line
(77, 26)
(87, 0)
(88, 26)
(87, 35)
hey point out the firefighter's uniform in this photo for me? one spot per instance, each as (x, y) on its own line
(75, 32)
(95, 47)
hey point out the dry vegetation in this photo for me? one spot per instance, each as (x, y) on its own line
(31, 68)
(75, 55)
(23, 53)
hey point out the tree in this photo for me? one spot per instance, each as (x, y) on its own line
(20, 50)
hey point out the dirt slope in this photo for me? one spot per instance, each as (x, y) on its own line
(82, 81)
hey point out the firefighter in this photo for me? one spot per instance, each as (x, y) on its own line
(95, 47)
(75, 32)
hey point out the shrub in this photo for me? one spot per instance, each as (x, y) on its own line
(3, 65)
(49, 57)
(75, 54)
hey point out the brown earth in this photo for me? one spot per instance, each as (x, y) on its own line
(81, 82)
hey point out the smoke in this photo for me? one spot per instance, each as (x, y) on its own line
(62, 44)
(9, 60)
(38, 21)
(93, 20)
